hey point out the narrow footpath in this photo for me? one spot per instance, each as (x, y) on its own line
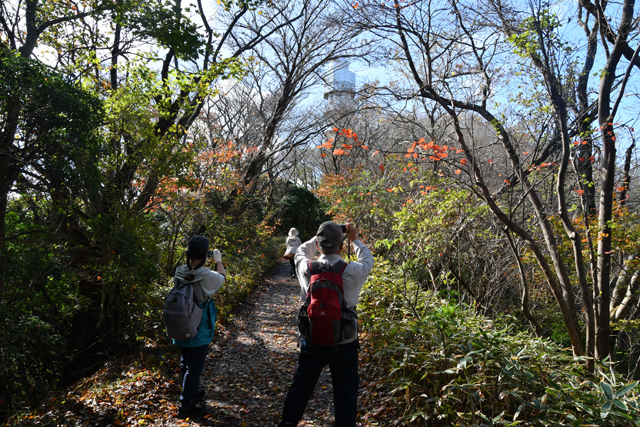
(247, 374)
(252, 361)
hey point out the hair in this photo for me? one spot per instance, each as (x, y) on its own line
(201, 263)
(330, 252)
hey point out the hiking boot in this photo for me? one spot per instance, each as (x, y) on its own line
(200, 396)
(193, 411)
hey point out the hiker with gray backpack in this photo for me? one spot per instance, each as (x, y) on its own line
(190, 319)
(327, 321)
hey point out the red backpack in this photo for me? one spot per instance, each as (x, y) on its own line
(323, 318)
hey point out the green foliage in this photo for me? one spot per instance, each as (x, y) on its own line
(167, 24)
(370, 201)
(248, 251)
(433, 229)
(301, 209)
(56, 126)
(447, 365)
(536, 33)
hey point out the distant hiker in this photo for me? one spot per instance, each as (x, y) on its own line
(293, 241)
(193, 351)
(324, 276)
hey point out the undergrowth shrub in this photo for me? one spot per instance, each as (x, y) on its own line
(447, 366)
(243, 273)
(248, 251)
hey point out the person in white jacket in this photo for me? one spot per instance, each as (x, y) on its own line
(343, 358)
(293, 242)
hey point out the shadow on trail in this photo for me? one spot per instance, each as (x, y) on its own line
(252, 360)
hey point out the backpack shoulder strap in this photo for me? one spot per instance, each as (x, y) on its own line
(316, 267)
(313, 267)
(180, 284)
(339, 267)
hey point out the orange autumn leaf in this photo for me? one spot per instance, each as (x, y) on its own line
(525, 153)
(620, 189)
(335, 129)
(381, 167)
(507, 182)
(365, 147)
(323, 155)
(580, 192)
(592, 159)
(409, 200)
(458, 172)
(463, 161)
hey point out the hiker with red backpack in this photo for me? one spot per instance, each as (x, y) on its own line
(197, 284)
(329, 290)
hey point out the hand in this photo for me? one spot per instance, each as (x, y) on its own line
(217, 256)
(351, 232)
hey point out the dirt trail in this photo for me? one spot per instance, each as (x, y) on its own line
(252, 360)
(247, 375)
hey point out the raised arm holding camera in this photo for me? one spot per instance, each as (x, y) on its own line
(329, 290)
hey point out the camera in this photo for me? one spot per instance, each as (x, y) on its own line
(344, 228)
(210, 253)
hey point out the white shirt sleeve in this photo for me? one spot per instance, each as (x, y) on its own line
(304, 254)
(306, 251)
(212, 282)
(356, 273)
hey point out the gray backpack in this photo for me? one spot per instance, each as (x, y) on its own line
(182, 315)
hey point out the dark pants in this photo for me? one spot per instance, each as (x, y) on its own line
(191, 366)
(293, 268)
(344, 376)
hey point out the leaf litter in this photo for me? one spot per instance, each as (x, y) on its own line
(247, 374)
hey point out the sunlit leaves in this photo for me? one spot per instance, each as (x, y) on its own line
(167, 24)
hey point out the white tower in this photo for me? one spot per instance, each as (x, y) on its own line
(341, 83)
